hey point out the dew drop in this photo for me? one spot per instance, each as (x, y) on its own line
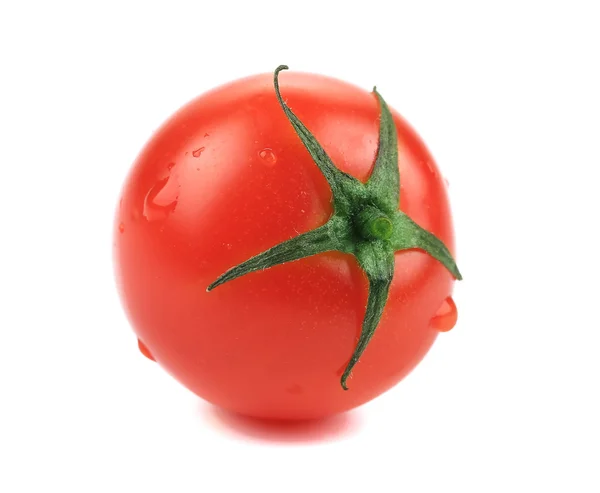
(268, 156)
(445, 317)
(161, 199)
(197, 152)
(145, 351)
(430, 167)
(121, 228)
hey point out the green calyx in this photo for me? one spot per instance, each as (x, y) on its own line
(366, 222)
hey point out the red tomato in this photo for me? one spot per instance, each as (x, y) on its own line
(226, 178)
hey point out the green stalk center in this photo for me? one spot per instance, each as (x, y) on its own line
(373, 224)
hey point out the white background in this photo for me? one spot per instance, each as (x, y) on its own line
(507, 97)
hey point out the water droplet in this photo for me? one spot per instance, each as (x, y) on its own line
(161, 199)
(229, 246)
(445, 317)
(430, 167)
(121, 228)
(268, 156)
(145, 351)
(197, 152)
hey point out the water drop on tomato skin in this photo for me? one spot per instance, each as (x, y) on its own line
(121, 228)
(197, 152)
(154, 208)
(145, 351)
(268, 156)
(430, 167)
(161, 199)
(446, 316)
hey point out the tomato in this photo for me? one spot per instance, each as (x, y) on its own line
(226, 178)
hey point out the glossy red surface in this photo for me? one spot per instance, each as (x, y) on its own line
(226, 178)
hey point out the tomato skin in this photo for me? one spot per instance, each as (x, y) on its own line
(226, 178)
